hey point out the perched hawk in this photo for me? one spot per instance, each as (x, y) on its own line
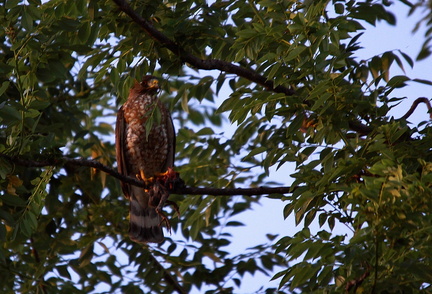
(144, 155)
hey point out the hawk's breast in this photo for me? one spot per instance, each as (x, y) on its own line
(147, 153)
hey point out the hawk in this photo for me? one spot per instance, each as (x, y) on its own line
(145, 150)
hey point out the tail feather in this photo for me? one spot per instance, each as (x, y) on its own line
(145, 224)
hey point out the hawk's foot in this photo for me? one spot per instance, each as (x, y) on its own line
(148, 181)
(158, 197)
(164, 219)
(170, 179)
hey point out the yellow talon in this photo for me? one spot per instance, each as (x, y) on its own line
(141, 176)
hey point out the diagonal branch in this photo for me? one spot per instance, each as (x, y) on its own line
(60, 162)
(198, 62)
(170, 279)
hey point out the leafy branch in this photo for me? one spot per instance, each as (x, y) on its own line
(64, 161)
(193, 60)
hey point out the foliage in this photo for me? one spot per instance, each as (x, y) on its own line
(66, 66)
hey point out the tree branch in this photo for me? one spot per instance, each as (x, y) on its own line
(414, 106)
(60, 162)
(199, 63)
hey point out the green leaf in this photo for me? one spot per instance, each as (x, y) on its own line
(339, 8)
(84, 31)
(5, 168)
(375, 66)
(254, 152)
(63, 271)
(398, 81)
(184, 102)
(303, 273)
(11, 4)
(326, 275)
(10, 115)
(3, 87)
(295, 53)
(387, 59)
(2, 233)
(424, 53)
(273, 70)
(234, 224)
(5, 215)
(425, 82)
(12, 200)
(407, 58)
(86, 255)
(27, 18)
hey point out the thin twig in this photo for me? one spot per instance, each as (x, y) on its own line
(60, 162)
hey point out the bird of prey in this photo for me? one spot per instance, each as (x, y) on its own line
(145, 142)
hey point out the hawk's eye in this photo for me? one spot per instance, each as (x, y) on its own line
(153, 83)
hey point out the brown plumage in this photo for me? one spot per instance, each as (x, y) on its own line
(144, 155)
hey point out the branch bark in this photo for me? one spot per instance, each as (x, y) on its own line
(60, 162)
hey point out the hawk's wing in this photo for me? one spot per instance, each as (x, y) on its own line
(120, 140)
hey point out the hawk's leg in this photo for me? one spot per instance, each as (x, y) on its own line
(158, 197)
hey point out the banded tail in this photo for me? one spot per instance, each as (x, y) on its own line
(144, 223)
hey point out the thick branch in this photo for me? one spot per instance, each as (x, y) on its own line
(198, 62)
(60, 162)
(233, 191)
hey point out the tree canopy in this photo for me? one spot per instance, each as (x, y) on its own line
(298, 94)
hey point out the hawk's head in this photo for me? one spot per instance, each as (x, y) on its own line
(149, 84)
